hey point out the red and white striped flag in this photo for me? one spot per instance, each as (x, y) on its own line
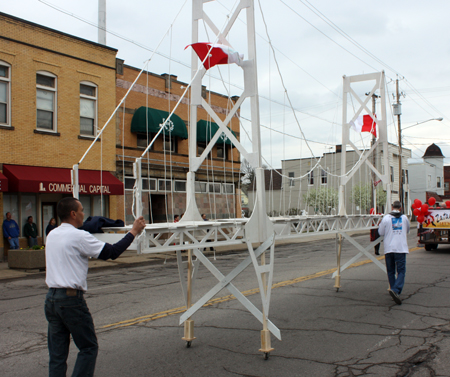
(364, 123)
(217, 54)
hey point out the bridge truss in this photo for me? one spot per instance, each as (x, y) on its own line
(259, 233)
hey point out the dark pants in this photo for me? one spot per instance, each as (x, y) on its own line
(32, 241)
(67, 314)
(396, 265)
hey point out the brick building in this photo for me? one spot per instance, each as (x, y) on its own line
(55, 90)
(165, 165)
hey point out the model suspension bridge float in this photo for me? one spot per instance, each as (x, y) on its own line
(260, 232)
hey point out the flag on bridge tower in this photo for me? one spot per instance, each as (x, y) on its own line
(217, 54)
(364, 123)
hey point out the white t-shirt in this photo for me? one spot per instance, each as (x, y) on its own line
(394, 230)
(67, 252)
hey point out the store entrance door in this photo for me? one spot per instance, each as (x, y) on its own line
(48, 211)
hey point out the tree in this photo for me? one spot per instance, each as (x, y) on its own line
(248, 175)
(323, 199)
(362, 196)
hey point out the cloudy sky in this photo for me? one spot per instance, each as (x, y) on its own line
(315, 44)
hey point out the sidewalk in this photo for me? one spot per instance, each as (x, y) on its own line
(128, 258)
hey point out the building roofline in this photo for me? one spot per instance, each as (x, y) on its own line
(173, 75)
(6, 15)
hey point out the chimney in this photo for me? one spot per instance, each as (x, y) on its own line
(102, 22)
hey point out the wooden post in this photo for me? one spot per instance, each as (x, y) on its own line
(189, 324)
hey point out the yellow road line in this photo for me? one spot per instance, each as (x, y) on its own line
(213, 301)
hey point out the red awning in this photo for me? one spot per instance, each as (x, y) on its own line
(57, 180)
(3, 183)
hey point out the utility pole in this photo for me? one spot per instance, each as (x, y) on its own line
(373, 192)
(398, 112)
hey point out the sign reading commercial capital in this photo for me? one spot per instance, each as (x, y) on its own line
(68, 188)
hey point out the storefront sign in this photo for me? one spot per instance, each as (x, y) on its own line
(68, 188)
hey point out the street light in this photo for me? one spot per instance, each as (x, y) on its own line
(429, 120)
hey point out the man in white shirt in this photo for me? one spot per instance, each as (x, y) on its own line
(67, 253)
(395, 227)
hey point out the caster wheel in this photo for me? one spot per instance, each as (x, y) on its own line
(266, 355)
(188, 344)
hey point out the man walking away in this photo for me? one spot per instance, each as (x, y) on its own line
(67, 252)
(394, 227)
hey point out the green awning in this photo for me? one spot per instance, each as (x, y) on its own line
(206, 130)
(148, 119)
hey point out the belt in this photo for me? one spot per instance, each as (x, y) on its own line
(69, 291)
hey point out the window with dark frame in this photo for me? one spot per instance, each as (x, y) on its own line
(222, 151)
(311, 177)
(291, 180)
(324, 177)
(4, 94)
(45, 101)
(88, 109)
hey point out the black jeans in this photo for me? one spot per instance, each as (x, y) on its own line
(69, 314)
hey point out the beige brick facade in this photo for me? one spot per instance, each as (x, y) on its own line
(156, 91)
(27, 49)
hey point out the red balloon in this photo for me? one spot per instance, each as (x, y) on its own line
(424, 208)
(432, 201)
(417, 212)
(413, 206)
(420, 219)
(372, 211)
(418, 203)
(447, 203)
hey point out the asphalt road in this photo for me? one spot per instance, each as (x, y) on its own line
(356, 331)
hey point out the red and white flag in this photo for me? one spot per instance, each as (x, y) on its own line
(364, 123)
(217, 54)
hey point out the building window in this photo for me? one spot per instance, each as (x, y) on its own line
(88, 109)
(446, 186)
(46, 101)
(4, 94)
(438, 182)
(311, 177)
(429, 181)
(228, 188)
(148, 184)
(291, 179)
(403, 176)
(129, 183)
(392, 173)
(142, 140)
(407, 176)
(164, 185)
(200, 187)
(214, 188)
(324, 177)
(201, 148)
(170, 144)
(222, 152)
(180, 186)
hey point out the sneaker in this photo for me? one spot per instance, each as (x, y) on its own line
(395, 297)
